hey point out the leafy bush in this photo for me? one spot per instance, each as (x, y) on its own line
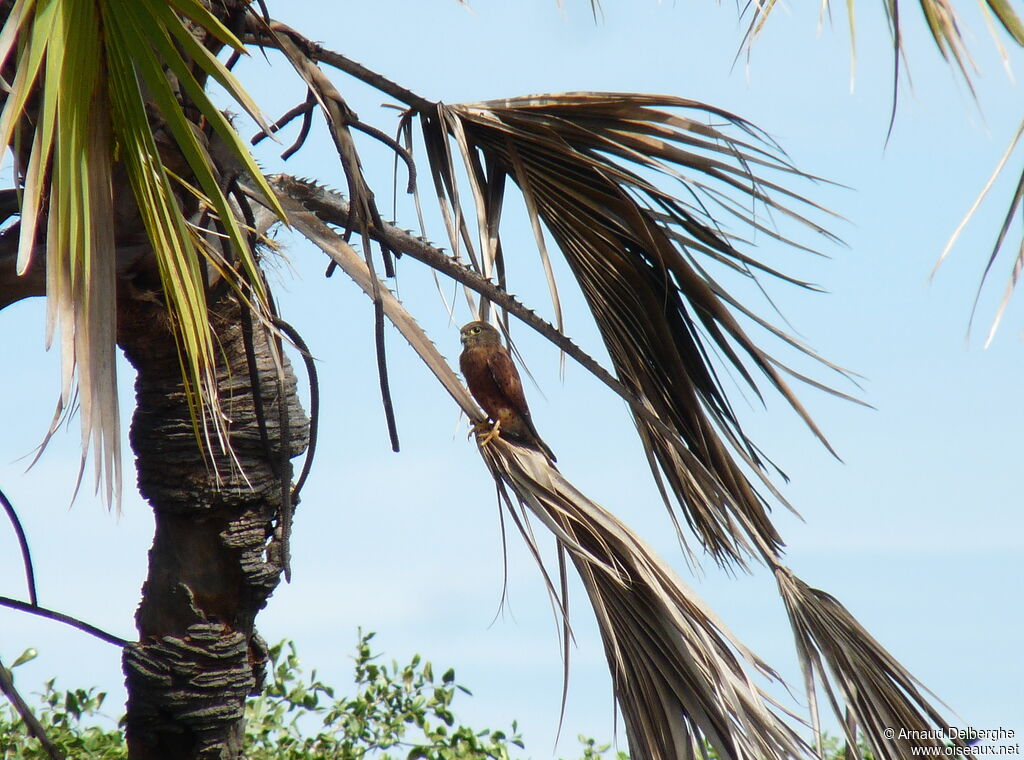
(73, 720)
(396, 713)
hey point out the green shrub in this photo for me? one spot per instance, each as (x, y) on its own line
(397, 713)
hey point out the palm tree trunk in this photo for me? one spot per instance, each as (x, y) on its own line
(215, 557)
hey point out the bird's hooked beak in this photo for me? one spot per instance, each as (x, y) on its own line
(462, 338)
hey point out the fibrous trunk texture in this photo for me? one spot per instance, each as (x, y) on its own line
(215, 558)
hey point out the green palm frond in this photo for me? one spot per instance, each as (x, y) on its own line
(586, 163)
(91, 87)
(68, 184)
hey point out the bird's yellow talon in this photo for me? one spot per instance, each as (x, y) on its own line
(479, 428)
(483, 438)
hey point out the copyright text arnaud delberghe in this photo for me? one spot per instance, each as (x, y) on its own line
(977, 738)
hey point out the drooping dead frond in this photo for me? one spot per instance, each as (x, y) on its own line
(585, 163)
(681, 679)
(866, 687)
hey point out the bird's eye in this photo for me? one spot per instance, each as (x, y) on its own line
(475, 330)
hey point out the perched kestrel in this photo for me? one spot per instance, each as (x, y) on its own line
(494, 382)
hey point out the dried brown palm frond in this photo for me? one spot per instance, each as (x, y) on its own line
(680, 678)
(585, 163)
(867, 688)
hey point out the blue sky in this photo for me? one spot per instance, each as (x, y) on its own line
(918, 530)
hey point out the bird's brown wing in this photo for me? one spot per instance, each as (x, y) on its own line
(475, 366)
(506, 378)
